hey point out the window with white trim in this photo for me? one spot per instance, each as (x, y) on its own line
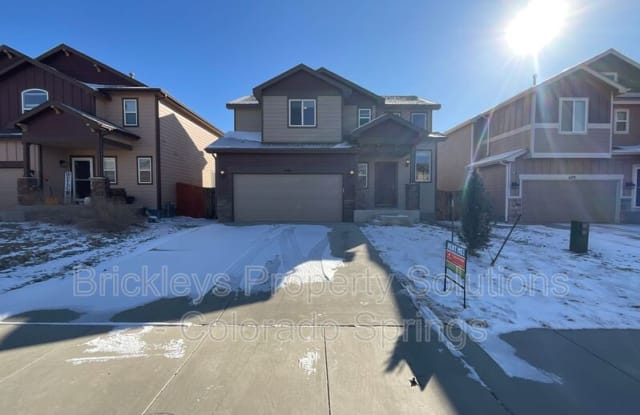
(574, 115)
(31, 98)
(109, 166)
(302, 113)
(363, 175)
(145, 170)
(130, 112)
(422, 168)
(611, 75)
(419, 119)
(364, 116)
(622, 121)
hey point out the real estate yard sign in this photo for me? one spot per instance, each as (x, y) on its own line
(455, 262)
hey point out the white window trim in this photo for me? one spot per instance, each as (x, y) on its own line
(32, 90)
(415, 167)
(634, 197)
(125, 112)
(573, 115)
(315, 113)
(360, 116)
(420, 113)
(115, 168)
(612, 75)
(616, 121)
(150, 170)
(366, 175)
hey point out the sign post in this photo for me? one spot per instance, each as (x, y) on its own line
(455, 261)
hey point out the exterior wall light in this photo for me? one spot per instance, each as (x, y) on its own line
(221, 172)
(352, 172)
(407, 162)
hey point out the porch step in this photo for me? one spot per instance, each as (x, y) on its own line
(392, 220)
(401, 217)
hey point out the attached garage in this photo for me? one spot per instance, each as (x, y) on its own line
(287, 197)
(564, 200)
(9, 187)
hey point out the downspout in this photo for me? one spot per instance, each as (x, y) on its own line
(158, 155)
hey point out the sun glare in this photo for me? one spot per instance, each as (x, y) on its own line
(536, 26)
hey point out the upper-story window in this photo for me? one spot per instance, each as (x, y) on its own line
(302, 113)
(419, 119)
(31, 98)
(622, 121)
(364, 116)
(611, 75)
(573, 115)
(130, 112)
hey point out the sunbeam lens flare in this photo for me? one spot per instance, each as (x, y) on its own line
(536, 26)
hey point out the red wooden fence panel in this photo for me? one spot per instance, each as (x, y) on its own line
(190, 200)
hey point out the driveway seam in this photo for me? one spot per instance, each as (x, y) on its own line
(172, 377)
(326, 368)
(597, 356)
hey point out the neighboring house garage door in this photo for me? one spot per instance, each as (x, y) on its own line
(548, 201)
(287, 197)
(9, 187)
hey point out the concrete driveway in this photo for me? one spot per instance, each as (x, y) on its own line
(350, 345)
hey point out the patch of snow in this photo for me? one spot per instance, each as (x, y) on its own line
(308, 362)
(536, 283)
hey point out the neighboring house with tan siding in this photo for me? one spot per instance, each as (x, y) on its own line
(566, 149)
(310, 145)
(70, 114)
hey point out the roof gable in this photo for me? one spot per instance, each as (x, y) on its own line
(352, 85)
(299, 75)
(627, 69)
(84, 68)
(10, 56)
(387, 126)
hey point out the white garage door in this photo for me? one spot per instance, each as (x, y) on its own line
(287, 197)
(554, 201)
(9, 187)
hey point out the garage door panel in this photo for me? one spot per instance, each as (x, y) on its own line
(549, 201)
(9, 187)
(287, 197)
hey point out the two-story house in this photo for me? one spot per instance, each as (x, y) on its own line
(566, 149)
(310, 145)
(72, 126)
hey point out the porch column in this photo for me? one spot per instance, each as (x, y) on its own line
(100, 155)
(26, 159)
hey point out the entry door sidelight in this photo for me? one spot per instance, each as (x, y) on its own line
(82, 170)
(386, 184)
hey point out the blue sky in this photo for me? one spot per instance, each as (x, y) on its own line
(206, 53)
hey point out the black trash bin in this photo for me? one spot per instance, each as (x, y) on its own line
(579, 241)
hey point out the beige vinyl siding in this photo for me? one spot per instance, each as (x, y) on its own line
(328, 121)
(183, 158)
(453, 156)
(145, 194)
(549, 140)
(9, 187)
(248, 119)
(494, 178)
(349, 118)
(510, 143)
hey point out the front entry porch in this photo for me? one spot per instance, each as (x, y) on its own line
(76, 155)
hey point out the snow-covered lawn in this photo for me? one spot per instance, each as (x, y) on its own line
(536, 283)
(32, 251)
(163, 262)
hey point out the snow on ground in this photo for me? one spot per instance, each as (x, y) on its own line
(32, 251)
(188, 262)
(127, 344)
(536, 283)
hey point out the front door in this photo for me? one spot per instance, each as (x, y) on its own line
(386, 184)
(82, 170)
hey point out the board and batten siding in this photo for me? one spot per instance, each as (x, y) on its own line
(247, 119)
(328, 127)
(183, 159)
(145, 194)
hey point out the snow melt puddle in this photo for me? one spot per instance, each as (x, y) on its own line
(127, 344)
(308, 362)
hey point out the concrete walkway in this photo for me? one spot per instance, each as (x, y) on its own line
(353, 345)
